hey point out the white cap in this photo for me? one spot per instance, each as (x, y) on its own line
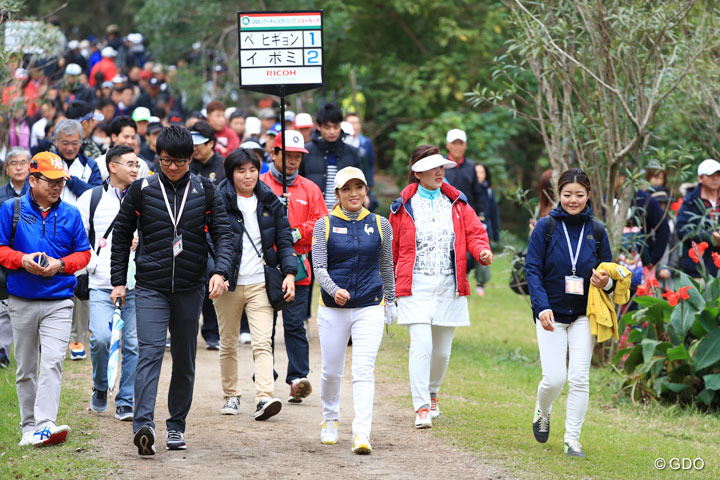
(108, 52)
(198, 138)
(289, 116)
(252, 126)
(118, 79)
(347, 174)
(73, 69)
(135, 38)
(229, 111)
(708, 167)
(73, 44)
(303, 120)
(250, 145)
(347, 128)
(428, 163)
(456, 134)
(294, 142)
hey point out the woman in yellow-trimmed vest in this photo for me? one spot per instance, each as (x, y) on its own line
(352, 260)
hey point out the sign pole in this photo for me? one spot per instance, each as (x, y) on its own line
(282, 132)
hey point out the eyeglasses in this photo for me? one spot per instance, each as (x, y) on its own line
(165, 162)
(60, 182)
(130, 165)
(75, 143)
(17, 163)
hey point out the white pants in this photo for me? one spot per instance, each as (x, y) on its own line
(554, 347)
(430, 347)
(335, 325)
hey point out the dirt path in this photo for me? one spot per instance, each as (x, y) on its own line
(288, 445)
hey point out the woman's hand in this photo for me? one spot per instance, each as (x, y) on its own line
(599, 278)
(547, 319)
(486, 257)
(664, 274)
(342, 296)
(288, 287)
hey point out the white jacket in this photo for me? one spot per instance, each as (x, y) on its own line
(108, 207)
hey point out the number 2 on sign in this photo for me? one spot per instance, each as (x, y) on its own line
(312, 57)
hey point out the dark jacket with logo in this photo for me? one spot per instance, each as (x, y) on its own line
(213, 169)
(7, 191)
(144, 208)
(314, 164)
(277, 246)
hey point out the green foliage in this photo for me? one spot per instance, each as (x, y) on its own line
(674, 352)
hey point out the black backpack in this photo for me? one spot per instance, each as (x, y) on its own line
(518, 280)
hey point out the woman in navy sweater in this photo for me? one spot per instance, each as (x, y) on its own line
(560, 266)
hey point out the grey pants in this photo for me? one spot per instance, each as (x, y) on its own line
(80, 321)
(6, 335)
(36, 325)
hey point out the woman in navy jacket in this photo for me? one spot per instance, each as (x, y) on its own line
(560, 266)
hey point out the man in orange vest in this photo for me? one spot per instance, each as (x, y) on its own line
(305, 206)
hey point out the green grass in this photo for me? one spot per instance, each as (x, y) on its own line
(490, 388)
(75, 458)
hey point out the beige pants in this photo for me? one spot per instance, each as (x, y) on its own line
(253, 299)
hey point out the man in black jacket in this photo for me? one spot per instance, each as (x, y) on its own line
(328, 153)
(463, 177)
(172, 211)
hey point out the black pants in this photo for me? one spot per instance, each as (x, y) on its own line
(209, 329)
(296, 343)
(156, 312)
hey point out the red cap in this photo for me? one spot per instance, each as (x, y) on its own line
(146, 74)
(294, 142)
(49, 164)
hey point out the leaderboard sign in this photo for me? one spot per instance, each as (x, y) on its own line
(281, 52)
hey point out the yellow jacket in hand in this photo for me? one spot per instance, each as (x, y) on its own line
(600, 309)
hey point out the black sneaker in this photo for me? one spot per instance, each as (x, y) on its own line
(4, 360)
(145, 441)
(98, 401)
(212, 345)
(541, 425)
(124, 413)
(267, 408)
(175, 440)
(574, 449)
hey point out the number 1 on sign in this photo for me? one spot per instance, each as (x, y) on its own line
(312, 39)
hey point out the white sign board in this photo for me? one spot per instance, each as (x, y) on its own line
(280, 49)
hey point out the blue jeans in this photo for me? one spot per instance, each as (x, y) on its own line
(101, 311)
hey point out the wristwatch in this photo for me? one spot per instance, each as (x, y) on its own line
(62, 266)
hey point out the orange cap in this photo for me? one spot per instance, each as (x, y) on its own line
(49, 164)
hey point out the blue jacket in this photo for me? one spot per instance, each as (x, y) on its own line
(548, 263)
(654, 224)
(695, 225)
(58, 235)
(353, 248)
(7, 191)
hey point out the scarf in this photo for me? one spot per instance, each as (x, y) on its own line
(289, 179)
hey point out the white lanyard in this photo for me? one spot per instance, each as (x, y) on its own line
(574, 259)
(175, 221)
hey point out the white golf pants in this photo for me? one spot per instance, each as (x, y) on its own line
(430, 347)
(554, 346)
(335, 325)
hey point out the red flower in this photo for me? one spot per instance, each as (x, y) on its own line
(653, 283)
(697, 251)
(682, 292)
(642, 291)
(675, 206)
(716, 259)
(672, 297)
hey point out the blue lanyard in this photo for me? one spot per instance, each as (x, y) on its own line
(574, 259)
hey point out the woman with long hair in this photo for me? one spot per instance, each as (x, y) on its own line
(560, 267)
(433, 229)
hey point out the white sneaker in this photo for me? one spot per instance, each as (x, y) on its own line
(231, 407)
(434, 407)
(329, 432)
(361, 445)
(245, 339)
(423, 418)
(50, 435)
(27, 438)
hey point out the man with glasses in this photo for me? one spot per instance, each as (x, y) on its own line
(48, 246)
(98, 207)
(123, 131)
(17, 168)
(172, 212)
(84, 174)
(85, 114)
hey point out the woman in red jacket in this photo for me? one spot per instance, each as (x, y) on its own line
(433, 228)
